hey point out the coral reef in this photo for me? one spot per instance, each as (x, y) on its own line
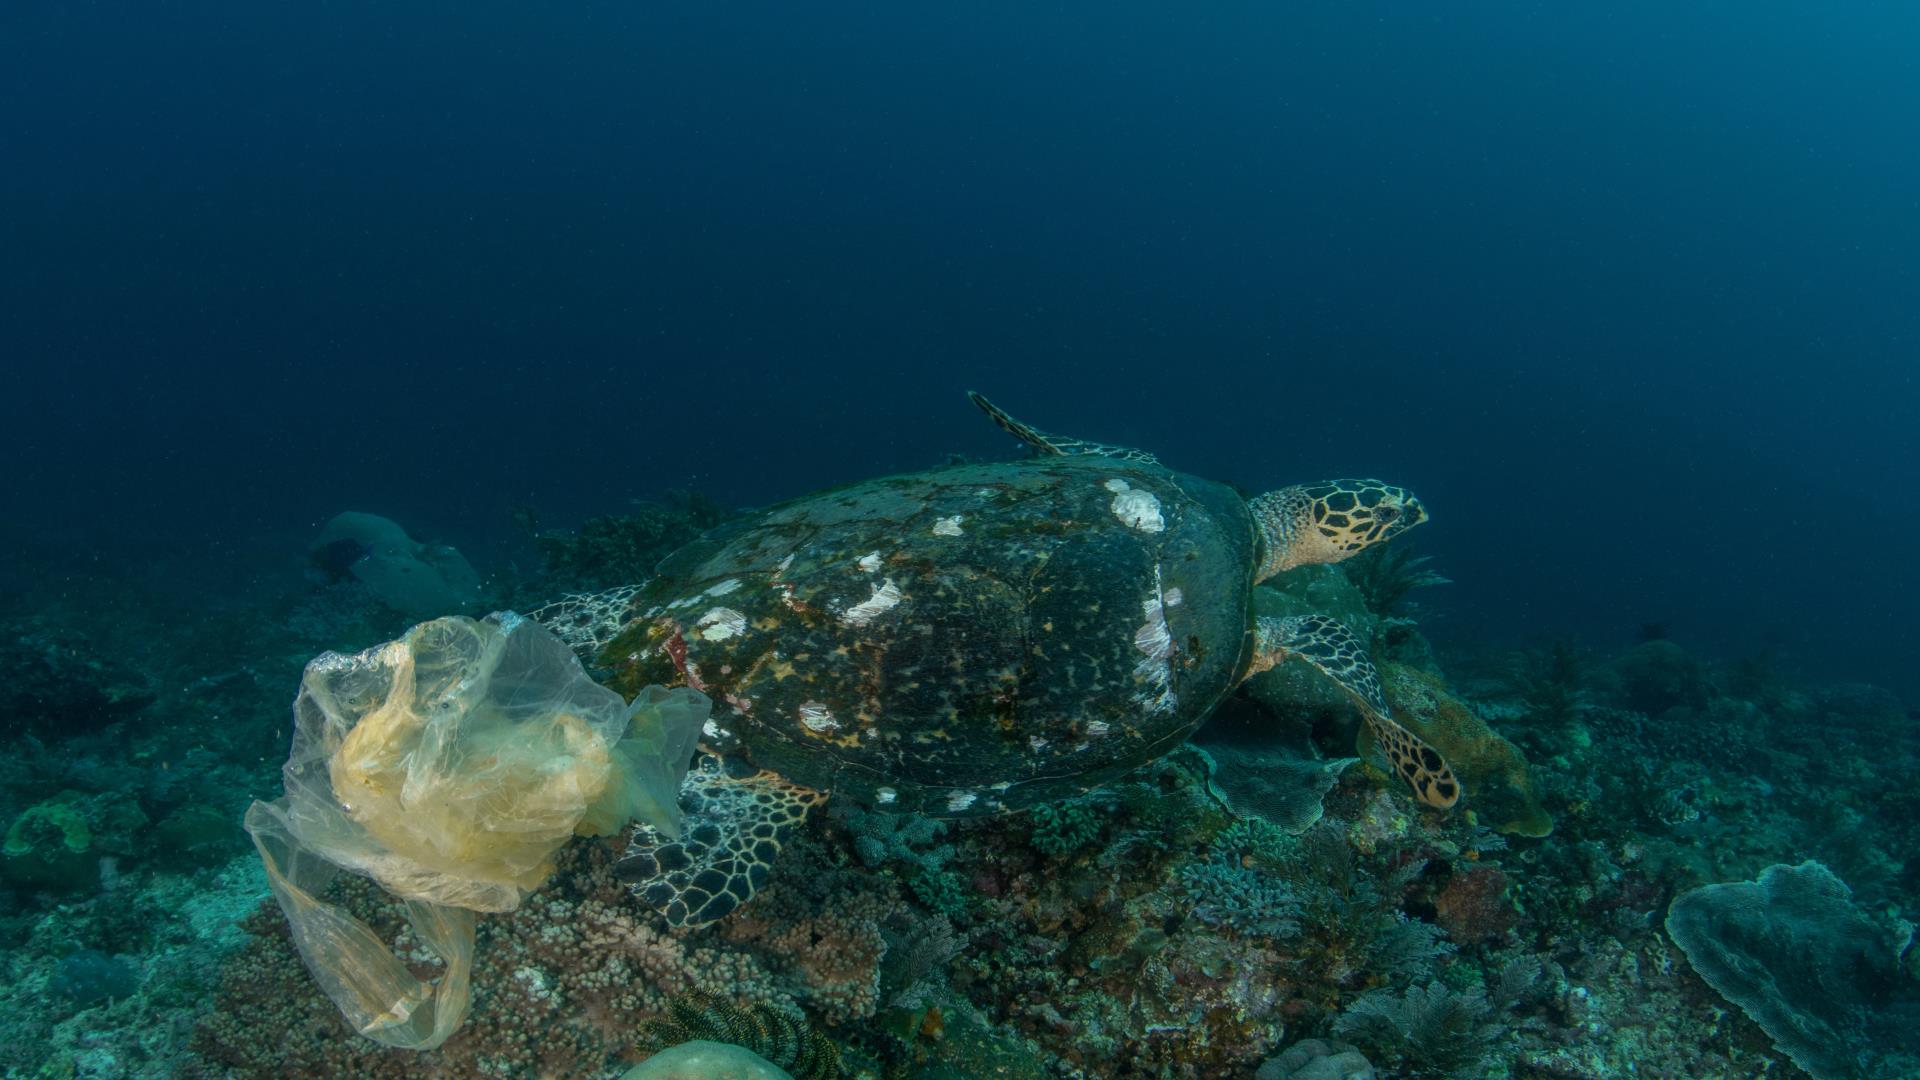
(1254, 906)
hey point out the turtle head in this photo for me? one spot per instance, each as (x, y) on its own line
(1329, 521)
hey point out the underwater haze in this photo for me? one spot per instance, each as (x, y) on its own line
(1626, 293)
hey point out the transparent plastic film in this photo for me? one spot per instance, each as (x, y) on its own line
(650, 763)
(372, 988)
(449, 767)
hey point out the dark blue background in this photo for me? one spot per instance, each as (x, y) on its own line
(1627, 292)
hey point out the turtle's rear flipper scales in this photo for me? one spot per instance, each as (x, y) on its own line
(588, 621)
(1327, 644)
(734, 829)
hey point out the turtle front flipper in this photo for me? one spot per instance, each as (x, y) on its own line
(734, 829)
(1056, 445)
(1327, 644)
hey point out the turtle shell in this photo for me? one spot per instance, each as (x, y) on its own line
(967, 640)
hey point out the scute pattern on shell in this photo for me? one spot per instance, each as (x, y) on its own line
(968, 670)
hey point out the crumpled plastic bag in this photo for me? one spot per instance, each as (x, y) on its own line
(449, 766)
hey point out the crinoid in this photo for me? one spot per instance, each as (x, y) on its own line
(1386, 575)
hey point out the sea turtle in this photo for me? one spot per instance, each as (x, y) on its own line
(969, 640)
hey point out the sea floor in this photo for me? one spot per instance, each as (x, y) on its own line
(1252, 906)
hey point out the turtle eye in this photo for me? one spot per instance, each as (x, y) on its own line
(1386, 514)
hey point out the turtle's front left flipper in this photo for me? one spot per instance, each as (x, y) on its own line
(734, 829)
(1327, 644)
(1046, 444)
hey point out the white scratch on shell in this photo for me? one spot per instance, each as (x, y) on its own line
(885, 795)
(1116, 485)
(817, 717)
(724, 587)
(948, 526)
(884, 597)
(960, 800)
(870, 561)
(1098, 728)
(720, 623)
(1155, 667)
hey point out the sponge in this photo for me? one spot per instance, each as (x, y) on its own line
(703, 1060)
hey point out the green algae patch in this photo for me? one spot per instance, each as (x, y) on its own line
(50, 846)
(51, 820)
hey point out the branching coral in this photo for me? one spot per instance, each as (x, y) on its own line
(906, 842)
(1226, 893)
(1063, 828)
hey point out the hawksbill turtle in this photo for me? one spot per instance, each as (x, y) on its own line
(970, 640)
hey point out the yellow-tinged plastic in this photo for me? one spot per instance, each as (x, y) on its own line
(449, 766)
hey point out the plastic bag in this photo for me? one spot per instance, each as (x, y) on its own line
(449, 766)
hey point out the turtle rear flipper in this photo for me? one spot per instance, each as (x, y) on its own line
(1056, 445)
(734, 829)
(587, 621)
(1327, 644)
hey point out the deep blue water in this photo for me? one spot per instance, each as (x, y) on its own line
(1628, 293)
